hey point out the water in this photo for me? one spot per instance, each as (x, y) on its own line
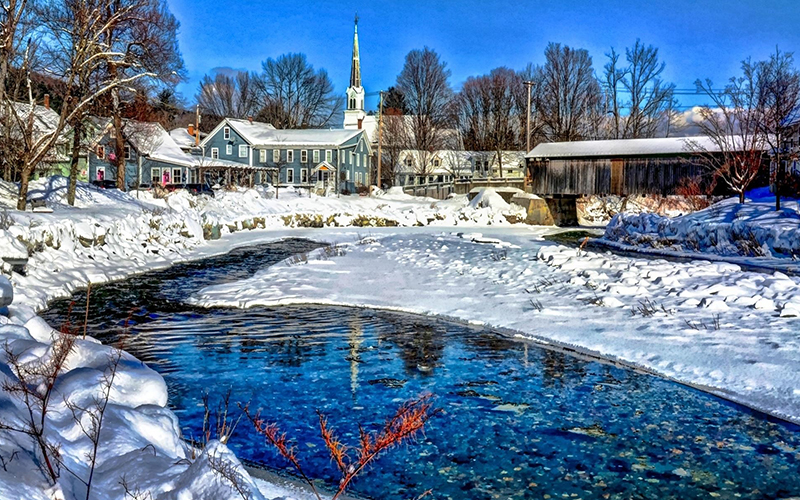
(517, 421)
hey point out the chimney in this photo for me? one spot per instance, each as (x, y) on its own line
(191, 129)
(47, 101)
(250, 119)
(359, 123)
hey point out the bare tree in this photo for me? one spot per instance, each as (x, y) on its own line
(424, 84)
(294, 95)
(456, 161)
(648, 97)
(488, 111)
(780, 100)
(229, 96)
(144, 33)
(568, 95)
(395, 139)
(734, 126)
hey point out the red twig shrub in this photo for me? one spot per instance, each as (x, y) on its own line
(403, 426)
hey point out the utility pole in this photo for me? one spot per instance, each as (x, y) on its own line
(528, 84)
(380, 137)
(197, 126)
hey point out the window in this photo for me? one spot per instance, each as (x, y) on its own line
(352, 158)
(262, 155)
(276, 155)
(304, 156)
(229, 149)
(101, 173)
(358, 177)
(101, 152)
(226, 133)
(328, 155)
(316, 156)
(214, 153)
(409, 161)
(242, 150)
(436, 162)
(290, 176)
(155, 176)
(127, 152)
(347, 175)
(304, 175)
(289, 155)
(358, 160)
(177, 176)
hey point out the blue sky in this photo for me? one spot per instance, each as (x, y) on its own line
(696, 38)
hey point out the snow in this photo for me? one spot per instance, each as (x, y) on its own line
(702, 323)
(109, 235)
(752, 233)
(153, 141)
(709, 324)
(264, 134)
(624, 147)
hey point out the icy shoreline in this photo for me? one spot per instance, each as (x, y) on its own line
(708, 325)
(110, 236)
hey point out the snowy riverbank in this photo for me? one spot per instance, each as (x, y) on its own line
(110, 235)
(707, 324)
(752, 233)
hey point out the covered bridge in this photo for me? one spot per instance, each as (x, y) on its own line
(620, 166)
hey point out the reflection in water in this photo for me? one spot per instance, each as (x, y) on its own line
(354, 343)
(518, 421)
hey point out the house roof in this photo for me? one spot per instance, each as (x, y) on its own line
(308, 137)
(251, 131)
(264, 135)
(45, 119)
(624, 147)
(152, 141)
(323, 166)
(182, 138)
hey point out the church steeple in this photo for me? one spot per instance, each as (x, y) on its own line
(355, 69)
(354, 114)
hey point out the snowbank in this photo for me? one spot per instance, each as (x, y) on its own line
(707, 324)
(140, 441)
(729, 229)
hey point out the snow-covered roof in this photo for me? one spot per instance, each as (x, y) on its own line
(264, 135)
(152, 141)
(307, 137)
(45, 119)
(251, 131)
(624, 147)
(182, 138)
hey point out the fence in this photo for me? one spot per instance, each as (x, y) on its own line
(441, 190)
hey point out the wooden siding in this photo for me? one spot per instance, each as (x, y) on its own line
(621, 176)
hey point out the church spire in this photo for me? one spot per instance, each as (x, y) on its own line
(355, 69)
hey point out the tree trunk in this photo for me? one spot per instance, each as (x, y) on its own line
(778, 183)
(741, 197)
(77, 132)
(119, 150)
(22, 198)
